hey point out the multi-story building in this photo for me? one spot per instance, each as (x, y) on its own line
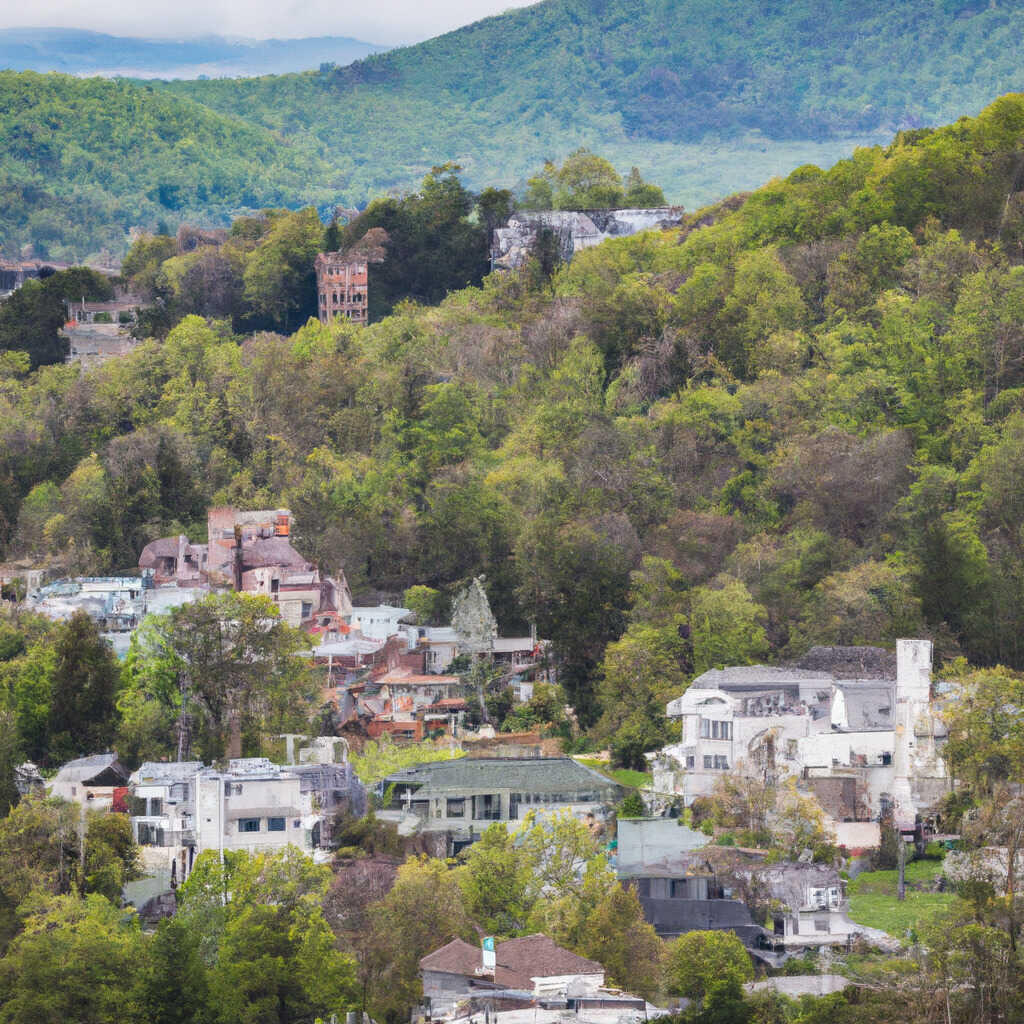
(341, 285)
(251, 551)
(463, 797)
(179, 809)
(862, 745)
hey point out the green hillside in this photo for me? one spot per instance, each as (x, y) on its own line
(666, 85)
(798, 419)
(83, 160)
(705, 97)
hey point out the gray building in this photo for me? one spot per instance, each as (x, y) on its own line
(465, 796)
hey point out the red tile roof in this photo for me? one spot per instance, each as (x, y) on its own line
(518, 961)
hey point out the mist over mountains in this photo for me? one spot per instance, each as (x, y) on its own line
(75, 51)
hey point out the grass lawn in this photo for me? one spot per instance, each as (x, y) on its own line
(873, 899)
(623, 776)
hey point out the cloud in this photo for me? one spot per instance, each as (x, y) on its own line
(387, 21)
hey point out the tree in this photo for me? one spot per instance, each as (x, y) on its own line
(174, 985)
(872, 603)
(639, 193)
(78, 960)
(426, 603)
(237, 665)
(111, 856)
(586, 181)
(559, 847)
(279, 278)
(423, 911)
(726, 626)
(985, 749)
(699, 963)
(496, 882)
(617, 936)
(642, 670)
(39, 849)
(10, 757)
(83, 716)
(268, 948)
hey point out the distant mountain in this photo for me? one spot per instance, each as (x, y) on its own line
(78, 52)
(698, 93)
(706, 97)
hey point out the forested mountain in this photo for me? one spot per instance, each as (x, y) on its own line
(799, 419)
(642, 80)
(84, 160)
(705, 97)
(75, 51)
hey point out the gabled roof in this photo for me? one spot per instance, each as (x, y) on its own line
(94, 770)
(519, 961)
(457, 957)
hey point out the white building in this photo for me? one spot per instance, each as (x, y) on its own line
(379, 622)
(860, 744)
(254, 806)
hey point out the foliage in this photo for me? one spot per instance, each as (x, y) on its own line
(235, 663)
(85, 681)
(699, 963)
(380, 758)
(76, 960)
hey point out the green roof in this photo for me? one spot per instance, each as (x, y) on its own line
(526, 775)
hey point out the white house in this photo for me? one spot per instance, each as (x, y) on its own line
(861, 744)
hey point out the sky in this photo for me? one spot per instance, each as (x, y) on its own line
(388, 22)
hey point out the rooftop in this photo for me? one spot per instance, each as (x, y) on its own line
(744, 676)
(531, 775)
(519, 961)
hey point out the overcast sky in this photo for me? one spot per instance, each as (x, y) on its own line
(380, 21)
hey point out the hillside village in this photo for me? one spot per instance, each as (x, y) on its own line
(856, 733)
(524, 605)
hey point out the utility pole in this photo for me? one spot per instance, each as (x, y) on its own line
(901, 860)
(81, 849)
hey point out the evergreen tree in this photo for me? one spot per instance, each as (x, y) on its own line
(83, 717)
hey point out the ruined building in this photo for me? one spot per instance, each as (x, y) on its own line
(341, 285)
(573, 231)
(251, 551)
(864, 745)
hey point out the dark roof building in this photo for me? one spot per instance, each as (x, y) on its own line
(465, 796)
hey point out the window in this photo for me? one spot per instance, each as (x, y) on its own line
(710, 729)
(690, 760)
(821, 924)
(307, 609)
(248, 824)
(708, 761)
(487, 808)
(721, 762)
(274, 825)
